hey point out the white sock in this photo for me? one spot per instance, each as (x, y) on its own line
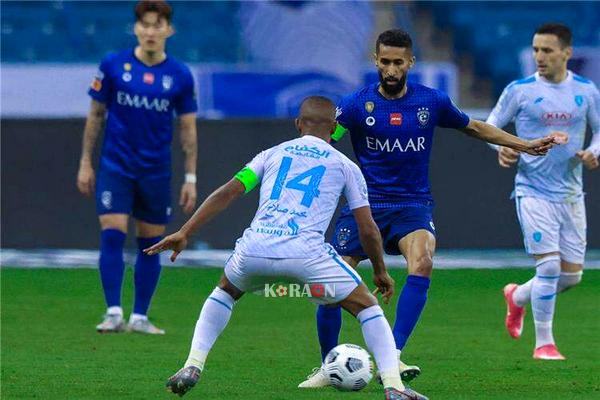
(522, 295)
(543, 298)
(115, 310)
(569, 279)
(380, 341)
(137, 317)
(213, 319)
(399, 353)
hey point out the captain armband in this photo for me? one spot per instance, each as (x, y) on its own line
(248, 178)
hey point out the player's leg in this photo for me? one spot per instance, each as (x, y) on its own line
(113, 204)
(417, 248)
(572, 244)
(379, 340)
(151, 209)
(214, 316)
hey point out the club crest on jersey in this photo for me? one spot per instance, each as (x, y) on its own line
(579, 100)
(423, 116)
(396, 119)
(126, 76)
(369, 106)
(370, 121)
(167, 82)
(343, 236)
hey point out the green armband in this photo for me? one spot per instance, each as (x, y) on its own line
(339, 133)
(248, 178)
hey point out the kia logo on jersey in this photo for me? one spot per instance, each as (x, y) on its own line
(148, 78)
(556, 118)
(395, 119)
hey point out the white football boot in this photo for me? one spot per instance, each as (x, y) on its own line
(317, 379)
(144, 326)
(112, 323)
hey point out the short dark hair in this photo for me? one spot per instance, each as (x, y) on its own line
(561, 31)
(161, 7)
(394, 38)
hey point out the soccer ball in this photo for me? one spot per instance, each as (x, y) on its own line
(348, 367)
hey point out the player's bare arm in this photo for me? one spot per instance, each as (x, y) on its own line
(370, 239)
(218, 201)
(491, 134)
(93, 124)
(189, 145)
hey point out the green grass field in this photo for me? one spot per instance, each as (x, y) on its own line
(51, 351)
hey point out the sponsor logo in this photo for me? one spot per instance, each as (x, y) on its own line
(317, 290)
(106, 199)
(127, 67)
(167, 82)
(96, 84)
(338, 111)
(537, 236)
(343, 235)
(423, 116)
(126, 76)
(556, 118)
(137, 101)
(148, 78)
(579, 100)
(390, 146)
(396, 119)
(370, 121)
(538, 100)
(369, 106)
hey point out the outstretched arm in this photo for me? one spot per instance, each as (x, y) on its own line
(491, 134)
(214, 204)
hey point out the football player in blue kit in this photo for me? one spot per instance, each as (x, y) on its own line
(391, 125)
(136, 93)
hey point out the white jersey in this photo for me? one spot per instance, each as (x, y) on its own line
(540, 107)
(301, 182)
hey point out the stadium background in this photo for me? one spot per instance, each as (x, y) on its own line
(250, 82)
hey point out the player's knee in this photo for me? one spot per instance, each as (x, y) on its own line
(359, 300)
(227, 286)
(568, 280)
(422, 266)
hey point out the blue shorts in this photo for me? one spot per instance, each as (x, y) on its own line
(147, 199)
(393, 223)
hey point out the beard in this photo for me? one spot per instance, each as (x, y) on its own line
(394, 88)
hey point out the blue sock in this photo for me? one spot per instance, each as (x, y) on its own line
(410, 304)
(147, 272)
(111, 265)
(329, 324)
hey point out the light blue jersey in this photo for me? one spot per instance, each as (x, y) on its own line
(539, 108)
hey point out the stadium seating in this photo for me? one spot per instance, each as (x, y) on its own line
(82, 31)
(496, 32)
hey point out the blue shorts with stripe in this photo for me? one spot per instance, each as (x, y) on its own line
(394, 223)
(147, 199)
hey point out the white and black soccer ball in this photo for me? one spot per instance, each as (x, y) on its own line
(348, 367)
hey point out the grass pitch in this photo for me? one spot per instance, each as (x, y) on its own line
(51, 351)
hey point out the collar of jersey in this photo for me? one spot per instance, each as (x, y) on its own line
(137, 60)
(406, 95)
(543, 80)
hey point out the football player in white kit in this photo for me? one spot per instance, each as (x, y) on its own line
(301, 182)
(548, 190)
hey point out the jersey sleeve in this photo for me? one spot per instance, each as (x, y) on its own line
(355, 189)
(593, 115)
(506, 108)
(186, 101)
(251, 175)
(450, 115)
(344, 115)
(101, 84)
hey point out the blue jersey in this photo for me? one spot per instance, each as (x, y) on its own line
(141, 101)
(392, 139)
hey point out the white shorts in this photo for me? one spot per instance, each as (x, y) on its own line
(553, 227)
(325, 279)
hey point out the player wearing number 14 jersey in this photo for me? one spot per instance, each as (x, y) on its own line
(301, 182)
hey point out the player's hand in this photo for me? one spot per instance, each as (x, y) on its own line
(507, 157)
(589, 160)
(539, 147)
(187, 198)
(385, 286)
(86, 179)
(176, 242)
